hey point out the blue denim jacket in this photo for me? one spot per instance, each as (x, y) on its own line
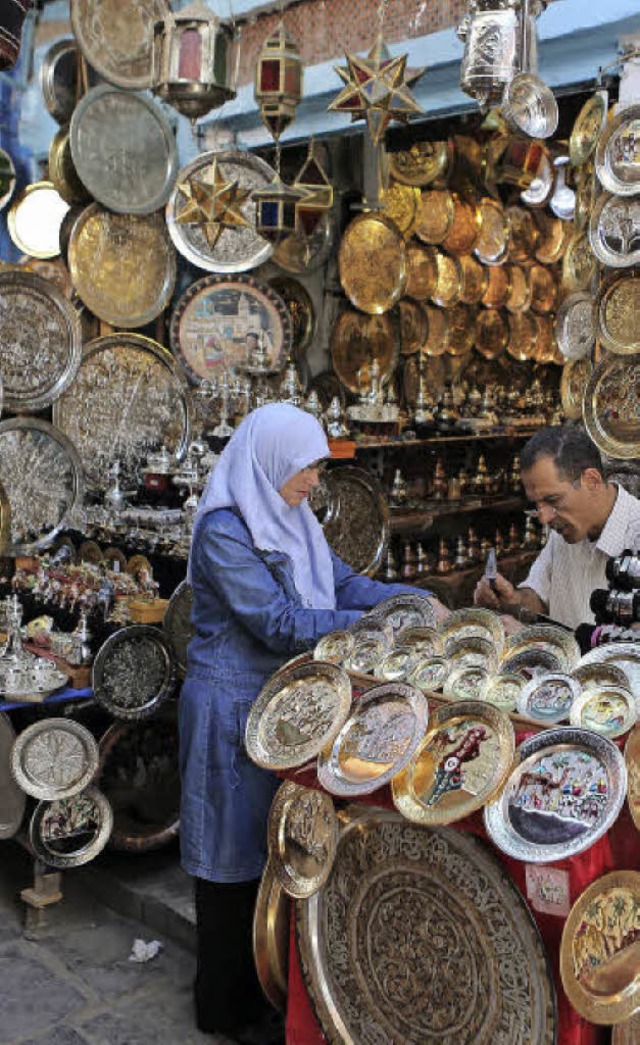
(248, 620)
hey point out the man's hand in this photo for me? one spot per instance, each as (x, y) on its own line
(503, 598)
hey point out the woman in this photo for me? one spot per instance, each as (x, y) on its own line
(266, 586)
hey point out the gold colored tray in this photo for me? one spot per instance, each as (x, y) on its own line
(578, 263)
(618, 312)
(271, 938)
(116, 38)
(422, 164)
(473, 620)
(543, 289)
(401, 204)
(520, 289)
(611, 406)
(303, 834)
(356, 340)
(436, 215)
(492, 246)
(545, 637)
(372, 262)
(525, 235)
(422, 273)
(632, 759)
(448, 281)
(573, 384)
(414, 326)
(586, 129)
(609, 710)
(498, 288)
(492, 333)
(461, 332)
(475, 280)
(522, 336)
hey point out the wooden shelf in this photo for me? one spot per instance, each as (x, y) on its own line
(421, 520)
(440, 440)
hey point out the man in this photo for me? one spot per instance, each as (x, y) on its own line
(590, 521)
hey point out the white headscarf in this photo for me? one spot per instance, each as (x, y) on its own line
(268, 448)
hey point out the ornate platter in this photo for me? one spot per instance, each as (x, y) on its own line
(356, 518)
(271, 938)
(34, 220)
(400, 203)
(492, 245)
(599, 949)
(220, 320)
(429, 673)
(297, 713)
(336, 647)
(625, 655)
(467, 682)
(504, 690)
(564, 794)
(299, 253)
(575, 326)
(116, 38)
(133, 672)
(546, 637)
(611, 406)
(377, 740)
(123, 266)
(422, 164)
(578, 264)
(302, 312)
(448, 280)
(592, 676)
(632, 760)
(368, 652)
(69, 832)
(618, 312)
(370, 964)
(519, 298)
(237, 248)
(614, 230)
(573, 384)
(422, 641)
(549, 699)
(54, 758)
(617, 153)
(543, 289)
(608, 710)
(177, 625)
(471, 649)
(473, 621)
(128, 399)
(586, 129)
(373, 264)
(531, 661)
(554, 235)
(303, 835)
(398, 663)
(421, 271)
(461, 763)
(12, 798)
(62, 172)
(124, 150)
(41, 473)
(405, 611)
(414, 326)
(492, 333)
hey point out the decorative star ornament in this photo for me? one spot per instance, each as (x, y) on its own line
(377, 89)
(212, 203)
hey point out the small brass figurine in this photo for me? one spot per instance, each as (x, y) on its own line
(460, 562)
(444, 561)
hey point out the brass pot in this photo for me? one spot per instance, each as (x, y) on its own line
(62, 171)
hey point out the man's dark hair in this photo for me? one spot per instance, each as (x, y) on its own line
(571, 449)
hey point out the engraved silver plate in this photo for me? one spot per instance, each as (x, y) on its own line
(124, 150)
(614, 230)
(575, 325)
(133, 672)
(336, 647)
(564, 794)
(473, 621)
(54, 758)
(41, 473)
(177, 624)
(303, 834)
(618, 153)
(405, 611)
(624, 655)
(116, 37)
(128, 398)
(12, 797)
(70, 832)
(420, 936)
(354, 514)
(529, 106)
(237, 249)
(40, 341)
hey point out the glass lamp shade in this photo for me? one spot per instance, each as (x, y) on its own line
(278, 86)
(276, 216)
(313, 182)
(191, 60)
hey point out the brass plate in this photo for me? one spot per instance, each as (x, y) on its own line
(554, 235)
(437, 341)
(586, 129)
(34, 220)
(436, 215)
(498, 288)
(176, 622)
(368, 652)
(414, 326)
(546, 347)
(122, 265)
(611, 406)
(618, 312)
(356, 523)
(301, 313)
(467, 682)
(62, 172)
(565, 792)
(271, 938)
(395, 892)
(12, 798)
(297, 713)
(335, 648)
(475, 280)
(608, 710)
(578, 263)
(575, 325)
(617, 155)
(303, 835)
(627, 1033)
(448, 281)
(54, 758)
(397, 664)
(525, 235)
(69, 832)
(503, 691)
(461, 329)
(573, 384)
(599, 949)
(372, 263)
(465, 229)
(492, 333)
(462, 763)
(422, 273)
(400, 203)
(356, 340)
(492, 245)
(473, 621)
(429, 673)
(299, 253)
(549, 699)
(116, 38)
(625, 655)
(522, 336)
(422, 641)
(632, 759)
(520, 289)
(531, 661)
(585, 197)
(377, 741)
(543, 289)
(404, 611)
(614, 231)
(422, 164)
(547, 637)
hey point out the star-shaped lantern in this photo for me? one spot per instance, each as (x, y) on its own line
(377, 89)
(213, 203)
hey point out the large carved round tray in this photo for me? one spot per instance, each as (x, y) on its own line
(618, 312)
(617, 153)
(614, 230)
(12, 797)
(41, 473)
(214, 317)
(420, 936)
(238, 248)
(573, 383)
(40, 341)
(122, 266)
(133, 672)
(373, 263)
(69, 832)
(116, 37)
(128, 398)
(357, 340)
(271, 938)
(124, 150)
(355, 518)
(303, 834)
(177, 625)
(54, 758)
(611, 406)
(565, 792)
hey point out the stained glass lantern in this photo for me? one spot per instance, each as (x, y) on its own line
(278, 87)
(314, 182)
(191, 60)
(276, 210)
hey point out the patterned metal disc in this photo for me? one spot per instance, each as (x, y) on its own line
(177, 624)
(72, 831)
(614, 230)
(611, 406)
(116, 37)
(353, 512)
(12, 797)
(405, 611)
(575, 325)
(54, 758)
(303, 834)
(133, 672)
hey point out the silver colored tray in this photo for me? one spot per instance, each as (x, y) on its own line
(69, 832)
(133, 673)
(617, 156)
(116, 38)
(625, 655)
(54, 758)
(575, 325)
(405, 611)
(354, 514)
(614, 230)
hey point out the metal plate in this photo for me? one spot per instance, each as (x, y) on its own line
(549, 699)
(531, 661)
(213, 318)
(397, 664)
(405, 611)
(12, 797)
(7, 178)
(122, 266)
(414, 326)
(422, 273)
(34, 220)
(301, 313)
(529, 106)
(592, 676)
(356, 519)
(336, 647)
(297, 712)
(473, 621)
(421, 641)
(461, 763)
(356, 340)
(617, 154)
(467, 681)
(493, 242)
(575, 327)
(632, 760)
(177, 624)
(573, 384)
(54, 758)
(579, 264)
(586, 129)
(564, 794)
(422, 164)
(503, 691)
(625, 655)
(133, 672)
(116, 38)
(41, 473)
(370, 963)
(368, 653)
(377, 741)
(124, 150)
(237, 249)
(128, 398)
(40, 341)
(429, 673)
(627, 1033)
(614, 231)
(70, 832)
(59, 79)
(607, 710)
(373, 263)
(599, 949)
(400, 203)
(618, 312)
(271, 933)
(546, 637)
(300, 254)
(303, 835)
(611, 406)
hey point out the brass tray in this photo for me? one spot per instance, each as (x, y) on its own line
(61, 169)
(54, 758)
(611, 406)
(462, 237)
(336, 647)
(12, 797)
(461, 329)
(475, 280)
(599, 949)
(546, 347)
(380, 736)
(550, 698)
(421, 640)
(409, 890)
(436, 215)
(397, 664)
(430, 673)
(608, 710)
(297, 713)
(492, 333)
(565, 792)
(520, 289)
(546, 637)
(573, 384)
(303, 835)
(525, 235)
(69, 832)
(356, 519)
(302, 313)
(473, 621)
(116, 38)
(543, 289)
(575, 325)
(133, 672)
(436, 345)
(124, 150)
(467, 681)
(617, 311)
(176, 624)
(404, 611)
(59, 79)
(271, 938)
(34, 220)
(400, 203)
(299, 253)
(422, 164)
(462, 763)
(614, 230)
(625, 655)
(627, 1033)
(617, 153)
(448, 280)
(414, 326)
(498, 288)
(356, 340)
(586, 129)
(492, 246)
(123, 266)
(632, 760)
(523, 332)
(128, 398)
(372, 262)
(422, 273)
(503, 691)
(554, 235)
(578, 264)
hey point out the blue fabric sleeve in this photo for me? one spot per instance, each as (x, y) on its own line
(354, 592)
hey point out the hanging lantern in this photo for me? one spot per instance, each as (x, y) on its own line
(495, 34)
(191, 60)
(278, 87)
(276, 210)
(313, 181)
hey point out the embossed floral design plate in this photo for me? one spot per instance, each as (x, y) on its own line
(573, 384)
(373, 263)
(467, 682)
(303, 835)
(54, 758)
(611, 406)
(177, 625)
(614, 231)
(69, 832)
(592, 676)
(133, 672)
(575, 326)
(404, 611)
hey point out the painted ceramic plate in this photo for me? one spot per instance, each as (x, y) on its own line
(549, 699)
(607, 710)
(564, 794)
(632, 759)
(504, 691)
(404, 611)
(429, 673)
(176, 623)
(618, 154)
(336, 647)
(303, 834)
(271, 931)
(473, 621)
(12, 797)
(611, 406)
(69, 832)
(133, 673)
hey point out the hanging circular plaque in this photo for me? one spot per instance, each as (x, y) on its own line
(116, 38)
(421, 271)
(578, 263)
(492, 245)
(124, 150)
(54, 758)
(438, 339)
(69, 832)
(414, 326)
(400, 203)
(475, 280)
(616, 153)
(575, 325)
(520, 289)
(543, 289)
(611, 406)
(614, 231)
(573, 384)
(422, 164)
(586, 129)
(372, 261)
(498, 288)
(34, 220)
(461, 329)
(525, 234)
(133, 672)
(299, 253)
(356, 341)
(62, 172)
(303, 834)
(618, 312)
(177, 624)
(123, 266)
(436, 215)
(12, 797)
(301, 312)
(356, 520)
(448, 280)
(554, 235)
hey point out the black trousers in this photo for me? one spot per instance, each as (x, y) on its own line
(227, 992)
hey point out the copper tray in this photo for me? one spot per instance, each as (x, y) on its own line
(573, 384)
(271, 938)
(492, 246)
(543, 289)
(461, 329)
(414, 326)
(303, 835)
(578, 263)
(356, 518)
(522, 336)
(475, 280)
(372, 262)
(69, 832)
(400, 203)
(611, 406)
(525, 235)
(438, 339)
(116, 38)
(498, 288)
(617, 309)
(422, 273)
(448, 280)
(134, 672)
(436, 215)
(520, 290)
(358, 339)
(554, 235)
